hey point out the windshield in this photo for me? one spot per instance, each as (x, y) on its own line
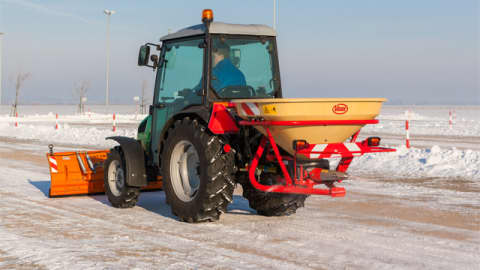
(244, 67)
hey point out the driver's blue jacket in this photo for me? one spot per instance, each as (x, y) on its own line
(226, 74)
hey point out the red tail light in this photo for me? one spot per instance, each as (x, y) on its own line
(300, 144)
(373, 141)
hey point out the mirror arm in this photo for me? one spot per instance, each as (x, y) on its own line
(154, 59)
(157, 46)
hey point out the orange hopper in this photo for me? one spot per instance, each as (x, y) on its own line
(81, 173)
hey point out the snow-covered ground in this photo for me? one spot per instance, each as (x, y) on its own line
(417, 208)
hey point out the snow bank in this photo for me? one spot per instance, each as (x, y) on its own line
(428, 120)
(415, 163)
(66, 134)
(87, 118)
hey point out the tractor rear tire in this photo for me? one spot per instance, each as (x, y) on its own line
(119, 194)
(197, 172)
(272, 204)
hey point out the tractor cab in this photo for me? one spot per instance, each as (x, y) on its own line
(214, 61)
(206, 63)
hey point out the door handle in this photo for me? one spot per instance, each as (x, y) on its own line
(158, 106)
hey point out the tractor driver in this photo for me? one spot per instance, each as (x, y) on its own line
(224, 72)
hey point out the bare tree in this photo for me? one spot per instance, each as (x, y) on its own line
(21, 77)
(143, 99)
(80, 92)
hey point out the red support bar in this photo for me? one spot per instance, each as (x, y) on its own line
(355, 136)
(279, 157)
(300, 187)
(307, 123)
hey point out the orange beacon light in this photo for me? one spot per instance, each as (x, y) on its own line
(207, 15)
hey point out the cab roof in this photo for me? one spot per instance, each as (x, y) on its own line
(223, 28)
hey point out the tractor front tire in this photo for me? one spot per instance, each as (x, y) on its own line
(119, 194)
(197, 172)
(272, 204)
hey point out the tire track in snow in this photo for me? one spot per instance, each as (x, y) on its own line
(321, 235)
(97, 222)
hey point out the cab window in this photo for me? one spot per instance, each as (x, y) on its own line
(181, 73)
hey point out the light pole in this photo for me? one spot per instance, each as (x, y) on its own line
(274, 14)
(1, 34)
(107, 75)
(136, 99)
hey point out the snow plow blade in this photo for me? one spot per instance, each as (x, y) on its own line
(81, 173)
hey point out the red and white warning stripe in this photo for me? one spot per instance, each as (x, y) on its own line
(53, 164)
(334, 150)
(353, 148)
(250, 109)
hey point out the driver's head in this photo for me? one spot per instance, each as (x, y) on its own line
(220, 51)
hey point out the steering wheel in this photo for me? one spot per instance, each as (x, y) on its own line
(237, 91)
(185, 92)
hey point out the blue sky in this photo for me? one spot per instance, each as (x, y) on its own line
(411, 52)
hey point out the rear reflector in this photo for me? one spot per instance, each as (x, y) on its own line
(373, 141)
(300, 144)
(227, 148)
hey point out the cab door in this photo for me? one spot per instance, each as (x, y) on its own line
(178, 85)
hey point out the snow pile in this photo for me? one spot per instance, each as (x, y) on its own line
(66, 134)
(412, 116)
(426, 127)
(428, 120)
(415, 162)
(87, 118)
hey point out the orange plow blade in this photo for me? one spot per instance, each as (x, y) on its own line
(81, 173)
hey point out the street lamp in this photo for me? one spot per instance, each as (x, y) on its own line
(136, 99)
(1, 34)
(108, 13)
(274, 14)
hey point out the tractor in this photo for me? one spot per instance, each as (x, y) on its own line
(218, 119)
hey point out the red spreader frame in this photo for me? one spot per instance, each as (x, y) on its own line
(302, 183)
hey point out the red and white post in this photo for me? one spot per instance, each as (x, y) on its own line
(114, 127)
(407, 131)
(56, 121)
(16, 119)
(450, 119)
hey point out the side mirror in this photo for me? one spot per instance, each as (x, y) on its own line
(143, 55)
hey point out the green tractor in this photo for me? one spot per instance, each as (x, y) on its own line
(202, 136)
(198, 173)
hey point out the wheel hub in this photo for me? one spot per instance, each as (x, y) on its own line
(116, 178)
(185, 170)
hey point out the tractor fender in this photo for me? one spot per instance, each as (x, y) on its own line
(134, 156)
